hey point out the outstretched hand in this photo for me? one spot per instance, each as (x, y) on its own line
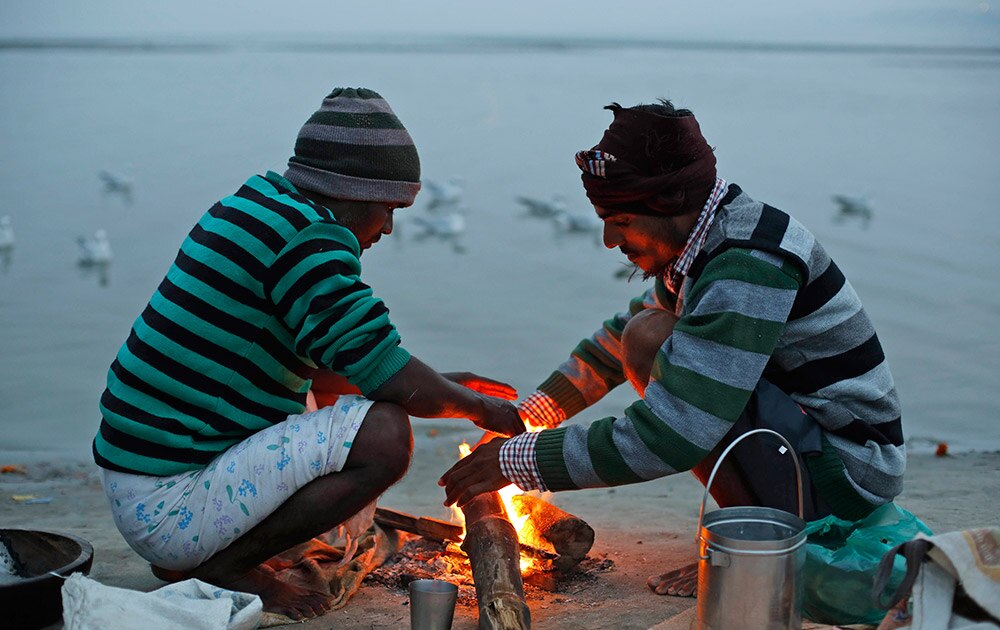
(474, 474)
(499, 416)
(482, 384)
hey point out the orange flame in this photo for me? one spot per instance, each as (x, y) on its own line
(518, 520)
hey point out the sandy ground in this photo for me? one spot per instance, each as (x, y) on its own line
(644, 529)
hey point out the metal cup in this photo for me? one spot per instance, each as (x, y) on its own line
(432, 604)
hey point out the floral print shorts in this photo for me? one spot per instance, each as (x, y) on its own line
(179, 522)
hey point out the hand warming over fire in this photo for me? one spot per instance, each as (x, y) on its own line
(474, 474)
(482, 384)
(498, 416)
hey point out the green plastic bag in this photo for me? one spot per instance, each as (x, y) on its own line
(841, 559)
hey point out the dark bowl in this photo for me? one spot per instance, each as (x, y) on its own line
(34, 600)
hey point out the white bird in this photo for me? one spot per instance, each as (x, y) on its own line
(577, 222)
(539, 209)
(116, 182)
(447, 194)
(6, 234)
(95, 250)
(451, 224)
(446, 227)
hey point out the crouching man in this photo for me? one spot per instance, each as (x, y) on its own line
(749, 324)
(208, 455)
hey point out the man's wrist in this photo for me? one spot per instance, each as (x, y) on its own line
(541, 410)
(518, 463)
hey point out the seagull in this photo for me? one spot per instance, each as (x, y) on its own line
(539, 209)
(95, 250)
(853, 208)
(586, 222)
(579, 224)
(6, 234)
(6, 242)
(447, 194)
(116, 182)
(446, 227)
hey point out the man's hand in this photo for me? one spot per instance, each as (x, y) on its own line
(482, 384)
(474, 474)
(499, 416)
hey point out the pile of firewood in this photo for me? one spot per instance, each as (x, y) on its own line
(556, 540)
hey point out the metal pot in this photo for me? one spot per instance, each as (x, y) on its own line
(750, 561)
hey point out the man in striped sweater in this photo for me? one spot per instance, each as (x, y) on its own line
(749, 324)
(209, 455)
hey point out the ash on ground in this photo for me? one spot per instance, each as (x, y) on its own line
(421, 559)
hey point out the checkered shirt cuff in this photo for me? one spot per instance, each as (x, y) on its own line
(540, 410)
(517, 462)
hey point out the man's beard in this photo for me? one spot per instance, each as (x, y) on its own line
(669, 233)
(658, 273)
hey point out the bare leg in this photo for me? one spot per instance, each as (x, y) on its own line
(378, 458)
(643, 336)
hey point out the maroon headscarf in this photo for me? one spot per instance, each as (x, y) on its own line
(647, 163)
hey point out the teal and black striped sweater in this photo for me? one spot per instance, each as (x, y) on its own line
(763, 299)
(265, 289)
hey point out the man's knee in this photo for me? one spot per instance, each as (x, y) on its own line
(642, 337)
(384, 443)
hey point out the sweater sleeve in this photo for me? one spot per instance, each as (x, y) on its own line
(701, 380)
(595, 366)
(315, 285)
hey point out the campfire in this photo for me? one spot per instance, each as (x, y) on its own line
(550, 538)
(508, 534)
(503, 539)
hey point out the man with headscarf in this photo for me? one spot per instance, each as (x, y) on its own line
(749, 324)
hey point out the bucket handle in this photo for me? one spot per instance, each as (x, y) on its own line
(715, 469)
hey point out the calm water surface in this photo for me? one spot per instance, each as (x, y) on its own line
(915, 133)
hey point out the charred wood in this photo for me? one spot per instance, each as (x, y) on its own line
(554, 530)
(494, 554)
(430, 528)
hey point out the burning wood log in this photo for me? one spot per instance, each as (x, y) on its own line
(551, 529)
(494, 553)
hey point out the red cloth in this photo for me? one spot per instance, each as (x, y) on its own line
(661, 164)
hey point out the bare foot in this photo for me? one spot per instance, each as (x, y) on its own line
(681, 582)
(279, 597)
(283, 598)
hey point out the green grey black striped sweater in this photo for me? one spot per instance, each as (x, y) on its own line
(763, 299)
(265, 289)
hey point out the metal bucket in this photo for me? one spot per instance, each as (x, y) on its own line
(750, 561)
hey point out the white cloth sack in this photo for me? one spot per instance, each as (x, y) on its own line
(971, 557)
(190, 604)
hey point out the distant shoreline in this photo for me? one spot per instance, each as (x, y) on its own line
(468, 44)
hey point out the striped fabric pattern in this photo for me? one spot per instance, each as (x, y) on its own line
(594, 162)
(762, 299)
(265, 289)
(354, 147)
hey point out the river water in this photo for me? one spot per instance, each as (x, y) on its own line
(914, 132)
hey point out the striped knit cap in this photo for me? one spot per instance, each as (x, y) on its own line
(356, 148)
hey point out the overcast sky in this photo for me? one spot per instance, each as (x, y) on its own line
(917, 22)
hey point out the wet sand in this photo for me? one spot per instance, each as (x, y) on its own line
(644, 529)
